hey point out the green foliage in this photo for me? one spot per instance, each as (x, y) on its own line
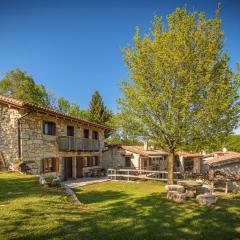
(233, 143)
(120, 135)
(72, 109)
(98, 112)
(20, 85)
(181, 90)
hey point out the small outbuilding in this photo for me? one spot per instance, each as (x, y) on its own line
(134, 157)
(228, 162)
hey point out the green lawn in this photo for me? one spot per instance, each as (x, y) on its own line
(110, 210)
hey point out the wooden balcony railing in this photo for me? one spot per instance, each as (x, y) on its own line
(134, 174)
(67, 143)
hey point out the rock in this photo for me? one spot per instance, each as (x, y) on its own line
(204, 189)
(236, 186)
(10, 167)
(176, 196)
(71, 193)
(170, 194)
(42, 180)
(206, 199)
(55, 182)
(190, 193)
(175, 187)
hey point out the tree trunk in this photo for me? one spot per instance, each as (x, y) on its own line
(171, 158)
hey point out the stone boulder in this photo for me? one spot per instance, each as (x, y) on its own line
(206, 199)
(190, 194)
(42, 180)
(175, 187)
(204, 189)
(176, 196)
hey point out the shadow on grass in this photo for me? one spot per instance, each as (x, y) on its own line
(113, 214)
(96, 197)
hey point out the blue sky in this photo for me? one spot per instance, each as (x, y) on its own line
(73, 47)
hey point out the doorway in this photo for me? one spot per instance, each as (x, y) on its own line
(67, 168)
(79, 166)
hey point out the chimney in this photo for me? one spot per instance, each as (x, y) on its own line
(145, 145)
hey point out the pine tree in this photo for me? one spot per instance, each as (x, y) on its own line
(97, 110)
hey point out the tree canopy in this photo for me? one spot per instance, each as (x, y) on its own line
(72, 109)
(20, 85)
(181, 89)
(233, 143)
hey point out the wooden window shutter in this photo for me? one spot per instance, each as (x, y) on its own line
(57, 164)
(90, 162)
(54, 164)
(97, 161)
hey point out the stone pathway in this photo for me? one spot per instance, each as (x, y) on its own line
(83, 182)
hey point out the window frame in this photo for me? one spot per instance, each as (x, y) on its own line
(50, 165)
(95, 135)
(70, 129)
(50, 131)
(128, 160)
(95, 161)
(84, 133)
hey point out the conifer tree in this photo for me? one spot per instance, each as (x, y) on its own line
(97, 110)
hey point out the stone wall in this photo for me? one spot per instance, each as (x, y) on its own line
(113, 158)
(37, 146)
(9, 132)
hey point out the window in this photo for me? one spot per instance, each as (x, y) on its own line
(145, 163)
(86, 133)
(127, 162)
(85, 162)
(94, 135)
(49, 128)
(70, 131)
(89, 162)
(50, 165)
(95, 161)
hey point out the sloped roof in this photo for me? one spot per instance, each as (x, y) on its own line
(145, 153)
(228, 157)
(218, 153)
(189, 155)
(35, 108)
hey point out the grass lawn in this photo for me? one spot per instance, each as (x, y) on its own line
(110, 210)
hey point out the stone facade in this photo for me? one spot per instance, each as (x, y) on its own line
(115, 157)
(9, 132)
(35, 146)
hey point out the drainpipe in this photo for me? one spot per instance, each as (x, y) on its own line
(19, 133)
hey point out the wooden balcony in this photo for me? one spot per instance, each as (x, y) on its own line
(67, 143)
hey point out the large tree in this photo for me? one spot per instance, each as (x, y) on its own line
(181, 89)
(20, 85)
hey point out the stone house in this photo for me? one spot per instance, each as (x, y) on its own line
(226, 161)
(190, 162)
(143, 157)
(134, 157)
(48, 141)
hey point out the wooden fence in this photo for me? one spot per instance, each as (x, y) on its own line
(133, 174)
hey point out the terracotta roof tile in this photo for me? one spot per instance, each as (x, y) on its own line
(24, 105)
(226, 158)
(142, 152)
